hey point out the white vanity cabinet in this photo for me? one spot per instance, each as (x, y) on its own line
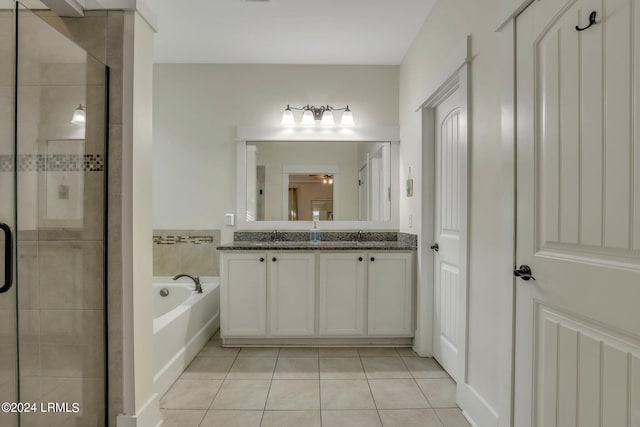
(331, 297)
(390, 294)
(342, 293)
(243, 295)
(292, 294)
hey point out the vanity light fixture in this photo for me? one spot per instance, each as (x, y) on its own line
(307, 118)
(288, 119)
(79, 116)
(347, 118)
(312, 114)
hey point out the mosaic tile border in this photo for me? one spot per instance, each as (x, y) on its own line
(53, 163)
(172, 240)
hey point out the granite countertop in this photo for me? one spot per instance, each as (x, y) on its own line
(321, 246)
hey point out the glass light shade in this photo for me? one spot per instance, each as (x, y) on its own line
(287, 118)
(330, 180)
(327, 118)
(347, 118)
(307, 118)
(79, 116)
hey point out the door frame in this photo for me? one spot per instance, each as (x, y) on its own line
(454, 75)
(506, 352)
(310, 170)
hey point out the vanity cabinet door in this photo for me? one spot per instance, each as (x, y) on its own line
(243, 295)
(292, 294)
(390, 293)
(342, 290)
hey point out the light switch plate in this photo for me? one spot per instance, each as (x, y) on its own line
(229, 219)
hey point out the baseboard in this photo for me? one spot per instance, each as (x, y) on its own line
(148, 416)
(170, 372)
(317, 342)
(475, 409)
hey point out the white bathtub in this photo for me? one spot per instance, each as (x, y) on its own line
(184, 322)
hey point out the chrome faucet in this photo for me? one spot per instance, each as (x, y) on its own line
(358, 235)
(274, 235)
(195, 279)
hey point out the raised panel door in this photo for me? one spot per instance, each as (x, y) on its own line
(342, 289)
(578, 216)
(390, 294)
(292, 294)
(243, 295)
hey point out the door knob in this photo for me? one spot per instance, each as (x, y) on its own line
(524, 272)
(435, 247)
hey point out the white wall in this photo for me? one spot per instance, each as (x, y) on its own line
(141, 405)
(445, 28)
(197, 109)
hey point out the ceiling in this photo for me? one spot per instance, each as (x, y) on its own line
(287, 31)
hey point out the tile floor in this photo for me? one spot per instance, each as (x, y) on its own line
(308, 387)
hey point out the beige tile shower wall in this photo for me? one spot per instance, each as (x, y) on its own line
(101, 33)
(186, 251)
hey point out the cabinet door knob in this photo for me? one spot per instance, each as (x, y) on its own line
(274, 259)
(261, 259)
(373, 259)
(359, 258)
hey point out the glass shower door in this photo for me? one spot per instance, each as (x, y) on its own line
(8, 318)
(52, 201)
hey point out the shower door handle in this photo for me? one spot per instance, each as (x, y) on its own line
(8, 258)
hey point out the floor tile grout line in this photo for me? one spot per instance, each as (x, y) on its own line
(423, 393)
(319, 390)
(270, 384)
(375, 404)
(417, 385)
(224, 380)
(438, 417)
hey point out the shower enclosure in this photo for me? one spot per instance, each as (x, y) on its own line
(53, 148)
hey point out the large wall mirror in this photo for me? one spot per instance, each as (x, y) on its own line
(346, 183)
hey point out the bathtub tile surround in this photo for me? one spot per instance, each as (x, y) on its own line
(332, 391)
(186, 251)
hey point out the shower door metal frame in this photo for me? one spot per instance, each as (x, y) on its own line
(14, 266)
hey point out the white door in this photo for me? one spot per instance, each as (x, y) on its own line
(377, 187)
(363, 195)
(390, 294)
(292, 293)
(578, 214)
(342, 293)
(448, 281)
(243, 295)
